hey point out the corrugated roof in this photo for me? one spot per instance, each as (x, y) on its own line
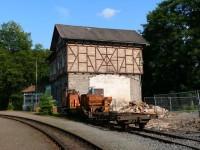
(29, 89)
(99, 34)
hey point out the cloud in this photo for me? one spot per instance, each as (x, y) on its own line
(108, 13)
(63, 12)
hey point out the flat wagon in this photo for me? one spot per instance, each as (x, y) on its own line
(96, 108)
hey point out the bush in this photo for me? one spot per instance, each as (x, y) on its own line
(46, 104)
(17, 101)
(10, 106)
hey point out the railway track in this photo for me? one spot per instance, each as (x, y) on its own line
(63, 139)
(157, 135)
(167, 138)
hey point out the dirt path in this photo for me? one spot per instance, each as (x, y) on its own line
(15, 135)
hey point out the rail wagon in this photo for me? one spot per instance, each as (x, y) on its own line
(96, 109)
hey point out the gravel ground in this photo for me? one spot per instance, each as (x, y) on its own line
(109, 140)
(177, 121)
(15, 135)
(194, 135)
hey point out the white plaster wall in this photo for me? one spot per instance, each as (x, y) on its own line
(114, 85)
(136, 93)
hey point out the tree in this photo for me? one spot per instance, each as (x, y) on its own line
(38, 47)
(172, 61)
(46, 104)
(13, 38)
(17, 64)
(17, 71)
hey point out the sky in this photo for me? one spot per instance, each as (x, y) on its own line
(39, 16)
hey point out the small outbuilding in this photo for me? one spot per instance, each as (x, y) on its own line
(31, 98)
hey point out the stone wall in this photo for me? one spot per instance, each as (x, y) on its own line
(122, 88)
(79, 82)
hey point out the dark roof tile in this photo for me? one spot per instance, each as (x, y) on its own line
(100, 34)
(68, 32)
(29, 89)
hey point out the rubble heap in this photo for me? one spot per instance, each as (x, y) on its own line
(142, 107)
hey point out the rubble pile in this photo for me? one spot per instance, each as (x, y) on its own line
(142, 107)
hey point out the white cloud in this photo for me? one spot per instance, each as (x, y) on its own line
(108, 13)
(63, 12)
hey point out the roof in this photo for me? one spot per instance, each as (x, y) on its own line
(29, 89)
(68, 32)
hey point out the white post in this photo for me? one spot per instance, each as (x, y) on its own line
(170, 103)
(198, 97)
(155, 103)
(24, 102)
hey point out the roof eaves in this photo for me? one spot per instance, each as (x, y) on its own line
(111, 41)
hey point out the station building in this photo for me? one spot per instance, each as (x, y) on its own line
(89, 57)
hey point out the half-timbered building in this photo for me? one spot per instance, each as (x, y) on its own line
(84, 57)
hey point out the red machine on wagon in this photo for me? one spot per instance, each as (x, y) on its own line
(96, 108)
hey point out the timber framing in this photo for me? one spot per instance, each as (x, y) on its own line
(100, 58)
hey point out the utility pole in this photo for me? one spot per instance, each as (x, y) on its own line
(36, 76)
(198, 97)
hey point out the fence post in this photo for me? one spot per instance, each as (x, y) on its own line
(170, 103)
(198, 97)
(155, 100)
(155, 103)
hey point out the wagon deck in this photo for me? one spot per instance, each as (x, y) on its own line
(123, 119)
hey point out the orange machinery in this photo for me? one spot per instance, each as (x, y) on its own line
(88, 102)
(72, 100)
(95, 103)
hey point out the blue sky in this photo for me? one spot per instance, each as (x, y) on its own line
(40, 16)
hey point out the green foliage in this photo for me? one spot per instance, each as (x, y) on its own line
(13, 38)
(172, 61)
(46, 104)
(188, 108)
(17, 70)
(38, 47)
(10, 106)
(17, 101)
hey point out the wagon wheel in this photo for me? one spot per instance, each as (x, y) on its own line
(142, 125)
(125, 127)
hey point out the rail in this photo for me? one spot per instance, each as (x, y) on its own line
(62, 138)
(167, 138)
